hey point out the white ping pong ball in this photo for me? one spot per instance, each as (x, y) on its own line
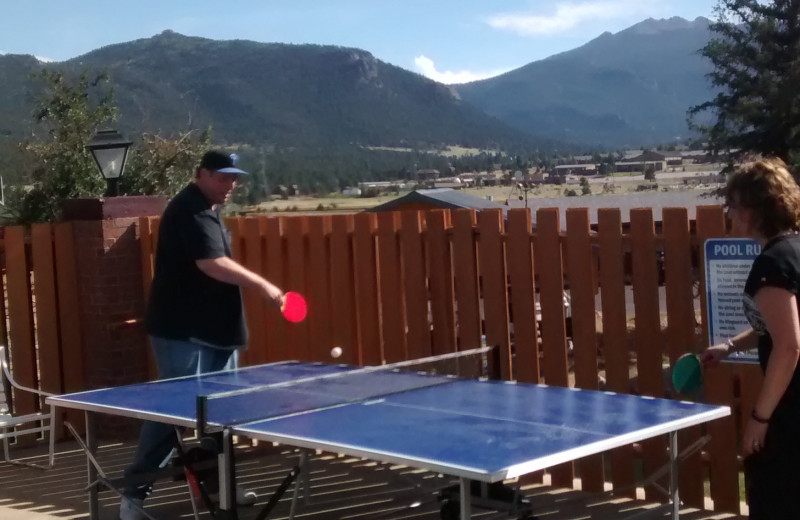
(336, 352)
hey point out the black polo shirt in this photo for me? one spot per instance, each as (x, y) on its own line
(185, 303)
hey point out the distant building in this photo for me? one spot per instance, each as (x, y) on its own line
(421, 200)
(375, 188)
(630, 154)
(534, 177)
(449, 182)
(375, 184)
(583, 159)
(643, 161)
(575, 169)
(426, 177)
(470, 179)
(673, 158)
(473, 179)
(696, 157)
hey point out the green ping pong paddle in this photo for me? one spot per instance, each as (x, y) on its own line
(687, 374)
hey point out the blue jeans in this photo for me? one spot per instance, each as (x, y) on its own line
(174, 358)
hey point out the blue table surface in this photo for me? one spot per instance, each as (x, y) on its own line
(484, 429)
(481, 429)
(175, 399)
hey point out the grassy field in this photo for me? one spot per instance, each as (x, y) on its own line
(450, 151)
(338, 202)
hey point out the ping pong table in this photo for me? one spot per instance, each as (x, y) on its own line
(475, 430)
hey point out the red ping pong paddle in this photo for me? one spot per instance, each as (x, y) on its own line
(294, 307)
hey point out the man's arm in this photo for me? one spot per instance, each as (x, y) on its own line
(225, 269)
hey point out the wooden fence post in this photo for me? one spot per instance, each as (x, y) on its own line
(723, 468)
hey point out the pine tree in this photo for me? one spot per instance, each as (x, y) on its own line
(756, 58)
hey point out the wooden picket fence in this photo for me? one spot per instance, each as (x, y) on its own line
(39, 307)
(392, 286)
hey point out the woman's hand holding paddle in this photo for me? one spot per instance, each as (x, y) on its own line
(712, 356)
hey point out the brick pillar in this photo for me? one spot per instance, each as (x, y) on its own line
(108, 259)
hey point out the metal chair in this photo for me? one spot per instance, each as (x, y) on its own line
(12, 426)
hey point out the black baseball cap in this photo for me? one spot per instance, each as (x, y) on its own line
(221, 162)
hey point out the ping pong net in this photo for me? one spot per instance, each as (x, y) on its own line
(335, 385)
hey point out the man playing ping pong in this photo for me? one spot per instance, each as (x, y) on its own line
(195, 313)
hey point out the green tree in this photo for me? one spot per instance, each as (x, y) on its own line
(650, 173)
(69, 112)
(756, 76)
(586, 189)
(161, 166)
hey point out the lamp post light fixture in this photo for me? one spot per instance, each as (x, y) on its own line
(524, 187)
(110, 151)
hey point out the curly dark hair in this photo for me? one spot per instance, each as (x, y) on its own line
(768, 189)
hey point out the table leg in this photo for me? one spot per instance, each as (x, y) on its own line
(673, 475)
(304, 479)
(304, 467)
(297, 484)
(227, 477)
(91, 471)
(466, 499)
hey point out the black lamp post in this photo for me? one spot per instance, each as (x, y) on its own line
(110, 151)
(524, 187)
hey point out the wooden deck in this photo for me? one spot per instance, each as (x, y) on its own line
(342, 488)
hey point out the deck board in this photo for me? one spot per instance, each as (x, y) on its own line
(342, 488)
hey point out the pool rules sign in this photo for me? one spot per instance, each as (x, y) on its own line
(728, 262)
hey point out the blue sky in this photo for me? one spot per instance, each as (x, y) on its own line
(451, 41)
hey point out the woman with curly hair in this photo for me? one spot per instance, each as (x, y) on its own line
(763, 202)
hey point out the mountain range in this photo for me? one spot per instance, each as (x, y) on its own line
(276, 94)
(626, 89)
(631, 88)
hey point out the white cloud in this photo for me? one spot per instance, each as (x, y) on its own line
(569, 15)
(427, 68)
